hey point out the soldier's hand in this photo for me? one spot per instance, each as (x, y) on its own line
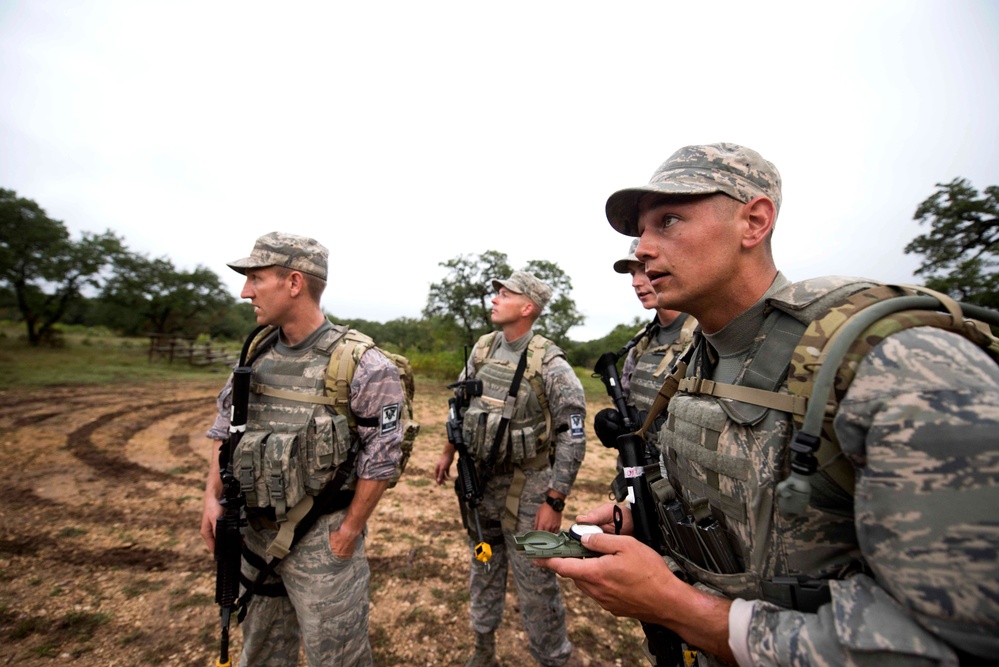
(631, 579)
(212, 511)
(603, 516)
(548, 519)
(442, 470)
(608, 425)
(342, 544)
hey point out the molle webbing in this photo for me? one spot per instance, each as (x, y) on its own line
(757, 393)
(652, 361)
(343, 358)
(537, 347)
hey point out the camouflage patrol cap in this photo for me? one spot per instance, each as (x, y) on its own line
(299, 253)
(522, 282)
(621, 265)
(739, 172)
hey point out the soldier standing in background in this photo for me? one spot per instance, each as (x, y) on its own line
(527, 470)
(647, 363)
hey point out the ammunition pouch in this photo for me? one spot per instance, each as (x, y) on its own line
(702, 542)
(277, 468)
(704, 545)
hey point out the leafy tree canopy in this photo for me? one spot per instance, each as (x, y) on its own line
(152, 295)
(464, 295)
(43, 267)
(961, 248)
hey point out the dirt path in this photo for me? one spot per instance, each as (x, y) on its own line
(101, 562)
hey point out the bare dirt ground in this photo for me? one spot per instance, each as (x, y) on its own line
(101, 562)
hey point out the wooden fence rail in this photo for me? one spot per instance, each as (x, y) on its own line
(169, 347)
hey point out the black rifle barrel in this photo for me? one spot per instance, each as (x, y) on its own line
(228, 539)
(606, 368)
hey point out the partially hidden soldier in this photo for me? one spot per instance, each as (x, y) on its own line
(296, 450)
(889, 552)
(526, 433)
(651, 354)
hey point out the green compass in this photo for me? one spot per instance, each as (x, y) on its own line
(542, 544)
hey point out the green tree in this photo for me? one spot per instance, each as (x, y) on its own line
(560, 314)
(151, 295)
(961, 248)
(43, 267)
(463, 295)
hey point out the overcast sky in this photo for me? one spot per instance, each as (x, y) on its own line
(402, 134)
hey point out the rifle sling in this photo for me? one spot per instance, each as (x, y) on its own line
(508, 407)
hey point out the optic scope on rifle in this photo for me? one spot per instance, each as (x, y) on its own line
(467, 483)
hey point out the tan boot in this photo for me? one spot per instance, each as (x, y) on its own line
(485, 651)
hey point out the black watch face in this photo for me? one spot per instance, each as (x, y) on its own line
(557, 503)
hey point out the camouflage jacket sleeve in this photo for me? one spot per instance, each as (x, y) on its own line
(626, 371)
(920, 422)
(375, 392)
(568, 407)
(220, 428)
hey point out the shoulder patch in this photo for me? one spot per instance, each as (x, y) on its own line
(390, 418)
(576, 428)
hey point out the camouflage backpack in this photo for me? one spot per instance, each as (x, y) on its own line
(827, 356)
(344, 358)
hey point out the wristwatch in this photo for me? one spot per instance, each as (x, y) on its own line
(557, 503)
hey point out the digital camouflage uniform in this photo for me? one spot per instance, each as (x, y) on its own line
(326, 607)
(538, 590)
(915, 562)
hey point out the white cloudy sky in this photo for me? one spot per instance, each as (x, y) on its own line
(402, 134)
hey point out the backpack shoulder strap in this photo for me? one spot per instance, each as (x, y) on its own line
(537, 349)
(482, 349)
(345, 352)
(261, 339)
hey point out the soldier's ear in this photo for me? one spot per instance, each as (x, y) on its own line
(759, 215)
(296, 283)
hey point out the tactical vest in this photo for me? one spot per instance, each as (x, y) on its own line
(290, 448)
(652, 363)
(726, 457)
(528, 432)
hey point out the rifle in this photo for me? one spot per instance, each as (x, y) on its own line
(467, 483)
(228, 538)
(665, 645)
(606, 370)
